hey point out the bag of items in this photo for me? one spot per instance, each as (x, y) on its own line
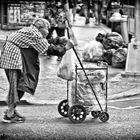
(83, 94)
(95, 76)
(93, 51)
(119, 58)
(107, 56)
(113, 41)
(66, 69)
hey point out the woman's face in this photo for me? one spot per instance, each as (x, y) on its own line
(44, 31)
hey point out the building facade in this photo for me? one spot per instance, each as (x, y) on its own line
(14, 13)
(18, 13)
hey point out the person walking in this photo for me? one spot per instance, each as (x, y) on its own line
(20, 60)
(57, 12)
(72, 7)
(86, 6)
(97, 4)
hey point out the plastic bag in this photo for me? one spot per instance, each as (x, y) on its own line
(112, 41)
(84, 95)
(119, 58)
(107, 56)
(80, 91)
(94, 76)
(93, 51)
(66, 69)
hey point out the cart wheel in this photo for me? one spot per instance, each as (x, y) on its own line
(63, 108)
(104, 116)
(77, 113)
(95, 114)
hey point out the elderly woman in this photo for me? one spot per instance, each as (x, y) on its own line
(20, 61)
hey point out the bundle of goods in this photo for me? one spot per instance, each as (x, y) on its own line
(115, 50)
(110, 40)
(119, 58)
(107, 56)
(82, 93)
(66, 68)
(93, 51)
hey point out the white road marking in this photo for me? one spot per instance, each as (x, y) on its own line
(126, 108)
(124, 99)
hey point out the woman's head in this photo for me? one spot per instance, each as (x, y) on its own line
(42, 25)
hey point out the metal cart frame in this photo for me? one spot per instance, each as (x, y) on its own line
(77, 113)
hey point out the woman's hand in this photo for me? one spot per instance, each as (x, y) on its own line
(69, 45)
(70, 24)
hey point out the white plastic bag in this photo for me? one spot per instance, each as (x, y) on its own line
(66, 69)
(93, 51)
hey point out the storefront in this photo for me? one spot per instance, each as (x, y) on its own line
(20, 13)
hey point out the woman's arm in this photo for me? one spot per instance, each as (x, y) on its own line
(59, 50)
(56, 50)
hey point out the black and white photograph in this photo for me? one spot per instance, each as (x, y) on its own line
(69, 70)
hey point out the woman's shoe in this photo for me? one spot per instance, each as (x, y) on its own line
(16, 118)
(19, 116)
(13, 119)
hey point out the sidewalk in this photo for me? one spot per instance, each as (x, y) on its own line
(119, 87)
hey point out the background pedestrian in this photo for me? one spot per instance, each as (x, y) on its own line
(98, 8)
(86, 6)
(57, 12)
(72, 7)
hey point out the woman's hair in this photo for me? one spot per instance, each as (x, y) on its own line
(41, 23)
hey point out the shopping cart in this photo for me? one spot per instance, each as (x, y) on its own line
(76, 111)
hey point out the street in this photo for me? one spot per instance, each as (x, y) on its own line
(44, 123)
(125, 103)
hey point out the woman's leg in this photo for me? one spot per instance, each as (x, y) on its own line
(14, 96)
(86, 13)
(74, 13)
(96, 13)
(98, 8)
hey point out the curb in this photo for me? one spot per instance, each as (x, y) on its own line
(22, 102)
(33, 102)
(129, 93)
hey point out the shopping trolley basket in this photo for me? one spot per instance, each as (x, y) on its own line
(76, 107)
